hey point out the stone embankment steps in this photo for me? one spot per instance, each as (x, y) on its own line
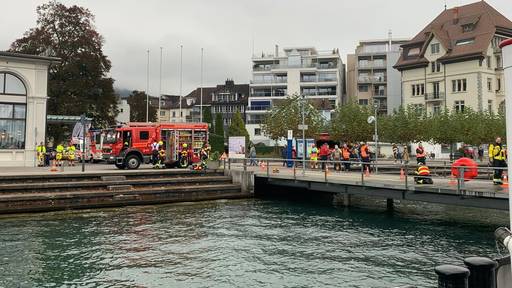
(102, 185)
(34, 193)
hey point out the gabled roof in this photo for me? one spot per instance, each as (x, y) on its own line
(447, 27)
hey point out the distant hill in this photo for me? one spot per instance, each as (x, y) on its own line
(123, 92)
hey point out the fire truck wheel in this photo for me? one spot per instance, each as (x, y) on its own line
(132, 162)
(120, 166)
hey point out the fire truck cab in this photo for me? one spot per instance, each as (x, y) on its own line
(133, 142)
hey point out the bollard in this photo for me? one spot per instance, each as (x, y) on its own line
(451, 276)
(245, 164)
(483, 272)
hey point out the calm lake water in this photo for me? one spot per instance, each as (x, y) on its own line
(240, 243)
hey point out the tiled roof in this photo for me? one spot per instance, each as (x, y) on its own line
(447, 28)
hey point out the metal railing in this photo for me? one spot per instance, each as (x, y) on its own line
(399, 176)
(439, 96)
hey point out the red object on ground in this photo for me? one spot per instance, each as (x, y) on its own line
(470, 168)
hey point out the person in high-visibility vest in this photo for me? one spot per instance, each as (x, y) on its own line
(423, 175)
(60, 153)
(365, 156)
(345, 154)
(41, 154)
(498, 159)
(313, 156)
(71, 154)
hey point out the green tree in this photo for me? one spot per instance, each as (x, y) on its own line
(404, 126)
(207, 118)
(237, 128)
(287, 115)
(349, 123)
(217, 138)
(80, 82)
(137, 102)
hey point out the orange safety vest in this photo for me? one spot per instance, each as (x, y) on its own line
(346, 153)
(423, 171)
(364, 152)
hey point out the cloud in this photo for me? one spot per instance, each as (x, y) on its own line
(227, 31)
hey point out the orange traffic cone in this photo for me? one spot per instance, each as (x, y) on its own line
(402, 174)
(505, 180)
(54, 167)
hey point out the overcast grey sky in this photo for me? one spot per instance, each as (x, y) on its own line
(225, 28)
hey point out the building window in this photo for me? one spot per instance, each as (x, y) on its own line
(488, 59)
(436, 66)
(434, 48)
(257, 131)
(144, 135)
(459, 106)
(418, 107)
(489, 105)
(363, 101)
(459, 85)
(498, 86)
(498, 61)
(12, 126)
(173, 113)
(11, 85)
(162, 113)
(468, 27)
(418, 89)
(436, 109)
(489, 84)
(465, 42)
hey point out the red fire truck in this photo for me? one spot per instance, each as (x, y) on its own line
(133, 142)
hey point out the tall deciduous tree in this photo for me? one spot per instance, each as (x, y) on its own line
(137, 102)
(207, 118)
(217, 137)
(406, 125)
(350, 123)
(237, 128)
(287, 115)
(80, 83)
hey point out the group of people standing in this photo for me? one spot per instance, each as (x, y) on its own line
(59, 155)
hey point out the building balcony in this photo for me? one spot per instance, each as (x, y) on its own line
(379, 95)
(379, 79)
(258, 108)
(431, 97)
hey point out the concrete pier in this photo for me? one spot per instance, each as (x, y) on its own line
(35, 193)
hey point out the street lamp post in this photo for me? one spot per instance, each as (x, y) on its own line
(201, 102)
(160, 87)
(147, 89)
(303, 102)
(376, 106)
(181, 80)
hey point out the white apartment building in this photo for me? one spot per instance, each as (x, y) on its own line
(296, 71)
(455, 61)
(371, 78)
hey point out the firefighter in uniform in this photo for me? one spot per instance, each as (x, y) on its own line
(184, 156)
(161, 155)
(497, 158)
(71, 154)
(423, 175)
(41, 154)
(59, 155)
(313, 152)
